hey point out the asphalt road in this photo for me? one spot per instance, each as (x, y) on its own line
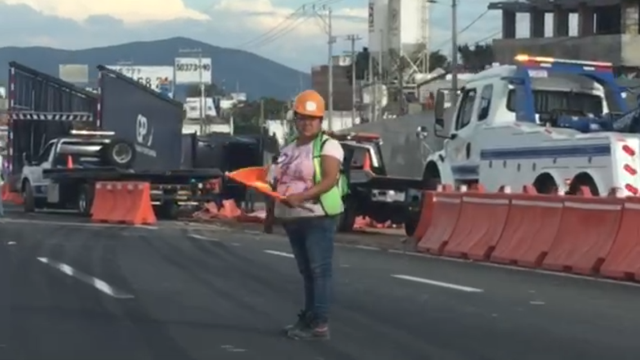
(73, 291)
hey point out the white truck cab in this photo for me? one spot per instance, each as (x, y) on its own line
(540, 122)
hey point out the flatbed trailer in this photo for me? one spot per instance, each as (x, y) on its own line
(169, 189)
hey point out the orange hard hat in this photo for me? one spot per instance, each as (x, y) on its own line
(309, 103)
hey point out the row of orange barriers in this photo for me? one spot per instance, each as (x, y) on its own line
(8, 196)
(123, 202)
(581, 234)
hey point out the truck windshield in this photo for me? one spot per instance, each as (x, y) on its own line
(546, 101)
(566, 93)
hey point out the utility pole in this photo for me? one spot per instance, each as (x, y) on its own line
(325, 14)
(353, 38)
(261, 113)
(372, 86)
(454, 52)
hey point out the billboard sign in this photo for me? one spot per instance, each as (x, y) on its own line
(158, 78)
(193, 70)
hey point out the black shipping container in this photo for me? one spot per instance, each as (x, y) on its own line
(42, 108)
(148, 119)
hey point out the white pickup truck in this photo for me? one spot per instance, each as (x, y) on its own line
(543, 122)
(89, 150)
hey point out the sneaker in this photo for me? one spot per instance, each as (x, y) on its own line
(302, 322)
(316, 331)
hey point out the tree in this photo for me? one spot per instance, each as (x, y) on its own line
(209, 91)
(438, 60)
(476, 58)
(249, 112)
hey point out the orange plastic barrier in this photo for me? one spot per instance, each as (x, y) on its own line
(446, 208)
(426, 211)
(10, 197)
(479, 227)
(123, 202)
(623, 260)
(530, 228)
(588, 227)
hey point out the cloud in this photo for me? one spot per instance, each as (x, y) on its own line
(283, 33)
(125, 10)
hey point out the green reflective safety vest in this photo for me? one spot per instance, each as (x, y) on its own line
(331, 201)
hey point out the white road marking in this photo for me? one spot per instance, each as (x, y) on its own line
(437, 283)
(69, 223)
(279, 253)
(517, 268)
(201, 237)
(95, 282)
(364, 247)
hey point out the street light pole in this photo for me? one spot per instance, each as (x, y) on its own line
(201, 85)
(353, 38)
(454, 51)
(325, 13)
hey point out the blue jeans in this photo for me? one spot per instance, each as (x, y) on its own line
(312, 245)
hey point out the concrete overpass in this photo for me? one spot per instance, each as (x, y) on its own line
(608, 30)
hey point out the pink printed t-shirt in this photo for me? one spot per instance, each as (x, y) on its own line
(294, 174)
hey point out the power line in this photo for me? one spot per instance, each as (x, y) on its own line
(282, 32)
(282, 28)
(473, 22)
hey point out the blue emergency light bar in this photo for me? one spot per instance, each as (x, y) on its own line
(543, 61)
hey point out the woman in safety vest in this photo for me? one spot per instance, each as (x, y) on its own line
(308, 172)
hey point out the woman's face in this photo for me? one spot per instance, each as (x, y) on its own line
(307, 125)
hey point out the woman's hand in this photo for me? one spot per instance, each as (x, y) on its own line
(294, 200)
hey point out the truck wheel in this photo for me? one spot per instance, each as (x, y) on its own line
(85, 200)
(28, 198)
(168, 210)
(411, 224)
(119, 153)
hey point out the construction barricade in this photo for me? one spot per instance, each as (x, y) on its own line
(588, 227)
(479, 227)
(623, 260)
(123, 203)
(530, 229)
(426, 211)
(444, 217)
(9, 197)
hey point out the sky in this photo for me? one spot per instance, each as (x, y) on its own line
(265, 27)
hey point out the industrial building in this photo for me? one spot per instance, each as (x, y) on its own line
(607, 30)
(342, 89)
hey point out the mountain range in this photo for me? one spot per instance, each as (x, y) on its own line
(252, 74)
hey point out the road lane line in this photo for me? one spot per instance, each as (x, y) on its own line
(365, 247)
(279, 253)
(201, 237)
(93, 281)
(69, 223)
(437, 283)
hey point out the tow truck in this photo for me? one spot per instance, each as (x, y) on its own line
(372, 193)
(63, 175)
(557, 124)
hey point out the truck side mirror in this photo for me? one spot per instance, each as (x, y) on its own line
(439, 106)
(25, 159)
(422, 132)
